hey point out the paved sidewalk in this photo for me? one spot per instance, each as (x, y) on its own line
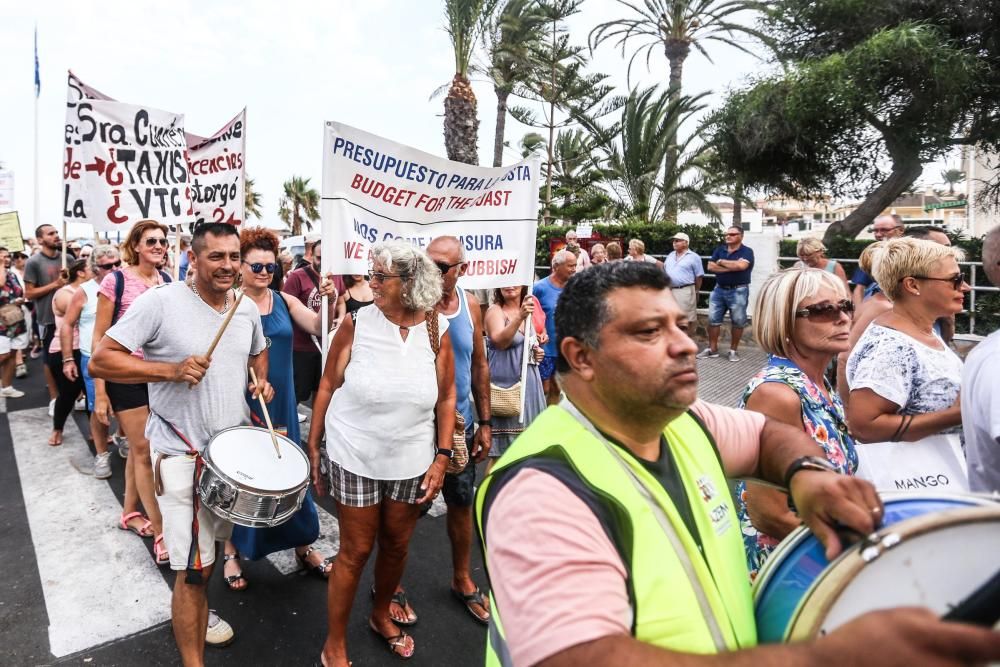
(722, 381)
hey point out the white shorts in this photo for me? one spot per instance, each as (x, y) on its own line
(177, 479)
(15, 343)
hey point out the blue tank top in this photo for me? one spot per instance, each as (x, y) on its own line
(277, 326)
(460, 330)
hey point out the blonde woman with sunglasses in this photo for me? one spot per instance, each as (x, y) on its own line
(802, 319)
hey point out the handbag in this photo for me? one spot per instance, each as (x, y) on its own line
(11, 314)
(460, 451)
(505, 401)
(933, 464)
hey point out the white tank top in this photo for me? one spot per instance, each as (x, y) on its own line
(88, 315)
(380, 423)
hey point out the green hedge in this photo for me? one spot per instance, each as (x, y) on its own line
(656, 237)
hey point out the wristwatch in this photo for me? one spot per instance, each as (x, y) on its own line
(483, 422)
(808, 463)
(441, 451)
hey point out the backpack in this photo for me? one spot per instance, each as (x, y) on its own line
(120, 290)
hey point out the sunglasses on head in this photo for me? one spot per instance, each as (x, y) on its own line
(826, 312)
(257, 267)
(956, 280)
(108, 267)
(445, 267)
(152, 243)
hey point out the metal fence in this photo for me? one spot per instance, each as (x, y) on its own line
(974, 270)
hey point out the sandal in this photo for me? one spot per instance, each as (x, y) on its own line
(145, 530)
(322, 570)
(476, 597)
(396, 643)
(160, 555)
(233, 580)
(399, 598)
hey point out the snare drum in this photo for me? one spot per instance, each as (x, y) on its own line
(933, 551)
(245, 482)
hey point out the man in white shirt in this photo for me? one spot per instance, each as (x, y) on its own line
(685, 271)
(981, 393)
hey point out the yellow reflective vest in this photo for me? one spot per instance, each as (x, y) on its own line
(681, 600)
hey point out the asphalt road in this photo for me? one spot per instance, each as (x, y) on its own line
(71, 578)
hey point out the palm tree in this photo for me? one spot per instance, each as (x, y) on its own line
(299, 205)
(631, 155)
(251, 200)
(575, 179)
(677, 26)
(952, 177)
(511, 39)
(466, 19)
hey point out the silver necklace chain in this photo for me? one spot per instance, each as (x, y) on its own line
(225, 306)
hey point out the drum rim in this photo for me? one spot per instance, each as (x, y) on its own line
(810, 613)
(210, 465)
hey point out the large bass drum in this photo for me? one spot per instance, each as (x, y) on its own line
(244, 481)
(932, 551)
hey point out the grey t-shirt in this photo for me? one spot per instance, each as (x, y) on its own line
(40, 271)
(171, 323)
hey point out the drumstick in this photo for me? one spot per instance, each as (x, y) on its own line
(267, 415)
(225, 323)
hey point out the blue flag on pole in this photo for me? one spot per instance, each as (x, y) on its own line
(38, 77)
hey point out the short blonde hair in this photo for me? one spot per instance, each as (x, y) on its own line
(638, 246)
(867, 257)
(905, 257)
(808, 246)
(779, 298)
(614, 250)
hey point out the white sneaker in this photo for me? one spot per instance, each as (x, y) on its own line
(52, 407)
(707, 353)
(302, 417)
(102, 465)
(10, 392)
(81, 404)
(733, 356)
(219, 632)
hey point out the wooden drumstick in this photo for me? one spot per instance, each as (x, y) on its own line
(225, 323)
(267, 415)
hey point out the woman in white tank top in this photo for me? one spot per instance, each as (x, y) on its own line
(381, 392)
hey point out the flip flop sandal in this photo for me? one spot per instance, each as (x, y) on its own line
(399, 597)
(232, 580)
(322, 570)
(145, 530)
(160, 555)
(395, 642)
(475, 597)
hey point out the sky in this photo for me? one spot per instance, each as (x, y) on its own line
(293, 64)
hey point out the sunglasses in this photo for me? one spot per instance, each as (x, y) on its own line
(152, 243)
(380, 276)
(108, 267)
(257, 267)
(956, 280)
(445, 267)
(826, 312)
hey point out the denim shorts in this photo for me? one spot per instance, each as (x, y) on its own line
(734, 300)
(88, 382)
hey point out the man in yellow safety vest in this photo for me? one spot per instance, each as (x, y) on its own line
(608, 529)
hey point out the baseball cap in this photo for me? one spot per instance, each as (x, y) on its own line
(680, 236)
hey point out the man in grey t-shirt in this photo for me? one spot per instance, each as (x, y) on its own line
(42, 278)
(191, 398)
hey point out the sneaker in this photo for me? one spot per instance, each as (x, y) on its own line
(219, 632)
(302, 417)
(102, 465)
(707, 353)
(22, 371)
(52, 407)
(80, 405)
(35, 352)
(122, 444)
(733, 356)
(10, 392)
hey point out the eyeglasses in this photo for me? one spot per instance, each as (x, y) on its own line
(884, 230)
(151, 243)
(956, 280)
(826, 312)
(257, 267)
(380, 276)
(445, 267)
(108, 267)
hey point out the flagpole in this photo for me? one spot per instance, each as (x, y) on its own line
(37, 92)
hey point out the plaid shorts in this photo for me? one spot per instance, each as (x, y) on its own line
(356, 491)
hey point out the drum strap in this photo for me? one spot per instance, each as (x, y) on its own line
(193, 571)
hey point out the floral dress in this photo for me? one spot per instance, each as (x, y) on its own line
(10, 291)
(824, 421)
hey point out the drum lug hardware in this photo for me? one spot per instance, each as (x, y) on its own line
(875, 545)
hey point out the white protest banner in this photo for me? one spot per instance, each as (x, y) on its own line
(74, 206)
(375, 189)
(217, 173)
(11, 236)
